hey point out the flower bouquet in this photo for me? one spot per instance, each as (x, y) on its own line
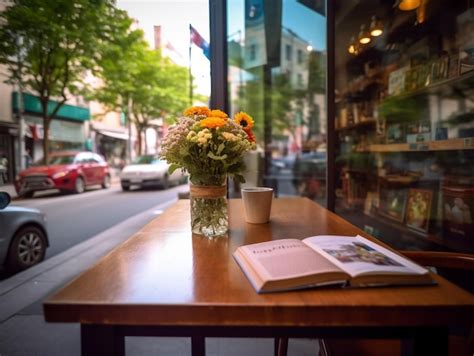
(209, 146)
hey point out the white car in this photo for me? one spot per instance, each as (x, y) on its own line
(149, 171)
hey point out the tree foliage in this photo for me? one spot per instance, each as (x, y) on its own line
(48, 45)
(160, 90)
(139, 81)
(282, 96)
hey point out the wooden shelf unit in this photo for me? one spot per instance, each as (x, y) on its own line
(441, 145)
(437, 86)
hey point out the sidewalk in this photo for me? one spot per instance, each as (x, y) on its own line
(24, 332)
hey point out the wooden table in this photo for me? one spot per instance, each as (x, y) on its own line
(165, 281)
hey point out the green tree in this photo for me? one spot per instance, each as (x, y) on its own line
(49, 45)
(138, 81)
(160, 90)
(118, 66)
(282, 95)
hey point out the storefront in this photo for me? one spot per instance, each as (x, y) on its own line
(111, 143)
(66, 130)
(8, 135)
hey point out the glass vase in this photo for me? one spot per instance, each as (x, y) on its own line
(209, 209)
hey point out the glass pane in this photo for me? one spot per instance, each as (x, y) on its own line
(405, 121)
(276, 66)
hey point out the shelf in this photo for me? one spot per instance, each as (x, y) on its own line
(451, 244)
(437, 86)
(442, 145)
(428, 237)
(368, 121)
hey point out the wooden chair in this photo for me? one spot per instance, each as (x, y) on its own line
(454, 266)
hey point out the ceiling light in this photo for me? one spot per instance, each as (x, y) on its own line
(408, 5)
(376, 27)
(364, 36)
(352, 46)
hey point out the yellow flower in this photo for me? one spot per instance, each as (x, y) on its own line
(218, 113)
(244, 120)
(212, 122)
(196, 111)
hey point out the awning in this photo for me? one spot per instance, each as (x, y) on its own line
(114, 134)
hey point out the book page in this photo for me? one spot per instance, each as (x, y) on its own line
(283, 259)
(357, 256)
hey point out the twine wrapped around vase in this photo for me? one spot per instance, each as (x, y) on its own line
(207, 191)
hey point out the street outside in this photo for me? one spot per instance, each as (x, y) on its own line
(72, 219)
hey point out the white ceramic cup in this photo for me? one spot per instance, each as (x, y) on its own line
(257, 204)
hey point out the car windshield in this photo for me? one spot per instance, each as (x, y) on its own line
(66, 159)
(145, 160)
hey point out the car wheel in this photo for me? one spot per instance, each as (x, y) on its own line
(125, 187)
(28, 248)
(106, 182)
(79, 186)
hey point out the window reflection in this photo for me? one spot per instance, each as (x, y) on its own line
(404, 122)
(276, 66)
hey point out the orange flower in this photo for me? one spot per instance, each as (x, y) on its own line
(244, 120)
(196, 110)
(250, 135)
(218, 113)
(212, 122)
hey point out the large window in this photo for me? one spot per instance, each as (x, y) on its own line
(276, 71)
(405, 121)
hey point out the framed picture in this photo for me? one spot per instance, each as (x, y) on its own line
(425, 126)
(419, 209)
(395, 133)
(396, 81)
(371, 202)
(392, 202)
(412, 128)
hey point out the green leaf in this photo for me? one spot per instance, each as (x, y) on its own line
(220, 148)
(217, 158)
(172, 168)
(239, 178)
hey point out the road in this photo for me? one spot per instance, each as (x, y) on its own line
(73, 219)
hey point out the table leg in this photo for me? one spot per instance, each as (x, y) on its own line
(198, 346)
(281, 346)
(427, 341)
(101, 340)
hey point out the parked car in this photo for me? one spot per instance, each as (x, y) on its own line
(309, 160)
(23, 235)
(66, 171)
(149, 171)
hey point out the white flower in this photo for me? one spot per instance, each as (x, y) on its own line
(229, 136)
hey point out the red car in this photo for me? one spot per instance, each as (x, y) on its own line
(66, 171)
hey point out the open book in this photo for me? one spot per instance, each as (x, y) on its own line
(322, 260)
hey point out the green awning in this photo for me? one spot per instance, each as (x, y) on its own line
(32, 105)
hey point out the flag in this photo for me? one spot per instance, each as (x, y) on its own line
(199, 41)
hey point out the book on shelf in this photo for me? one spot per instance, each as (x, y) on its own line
(349, 261)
